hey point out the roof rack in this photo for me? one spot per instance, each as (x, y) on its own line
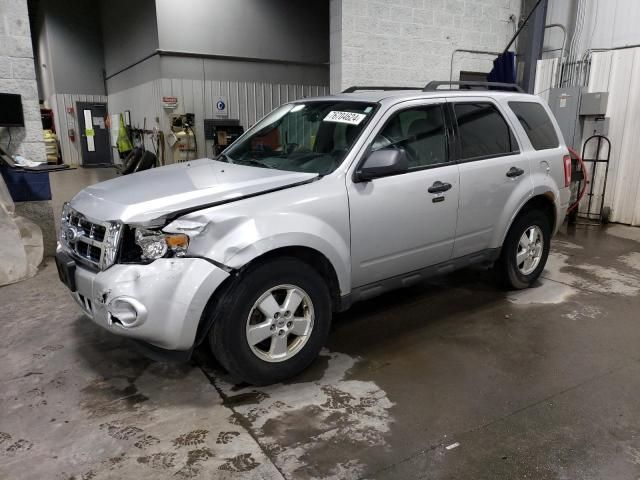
(356, 89)
(474, 85)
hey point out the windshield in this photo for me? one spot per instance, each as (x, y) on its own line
(313, 137)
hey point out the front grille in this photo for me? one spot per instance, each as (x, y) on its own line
(88, 251)
(89, 229)
(86, 239)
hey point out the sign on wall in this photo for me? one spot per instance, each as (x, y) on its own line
(221, 107)
(169, 102)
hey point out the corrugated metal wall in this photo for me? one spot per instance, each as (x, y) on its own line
(546, 73)
(59, 103)
(618, 72)
(246, 101)
(144, 104)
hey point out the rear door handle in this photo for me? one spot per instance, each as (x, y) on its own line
(439, 187)
(514, 172)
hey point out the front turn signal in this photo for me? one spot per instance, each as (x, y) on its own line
(178, 243)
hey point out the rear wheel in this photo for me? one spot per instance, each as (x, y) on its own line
(525, 250)
(273, 322)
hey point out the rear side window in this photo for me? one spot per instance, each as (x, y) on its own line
(483, 131)
(536, 123)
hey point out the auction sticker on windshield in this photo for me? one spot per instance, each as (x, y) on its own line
(345, 117)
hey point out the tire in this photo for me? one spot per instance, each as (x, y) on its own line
(243, 309)
(516, 275)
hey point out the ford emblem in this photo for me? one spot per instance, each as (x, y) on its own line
(71, 234)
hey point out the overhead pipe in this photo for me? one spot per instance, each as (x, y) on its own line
(587, 54)
(556, 82)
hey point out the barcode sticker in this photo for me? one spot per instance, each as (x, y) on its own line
(345, 117)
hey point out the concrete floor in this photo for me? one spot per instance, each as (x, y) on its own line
(453, 379)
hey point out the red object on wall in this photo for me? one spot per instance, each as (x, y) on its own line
(584, 185)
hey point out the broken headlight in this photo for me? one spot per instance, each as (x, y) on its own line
(111, 243)
(156, 244)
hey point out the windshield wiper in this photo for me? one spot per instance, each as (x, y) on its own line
(224, 158)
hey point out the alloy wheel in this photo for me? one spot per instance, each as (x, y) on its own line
(280, 323)
(530, 248)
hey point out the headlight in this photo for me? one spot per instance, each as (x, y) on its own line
(63, 222)
(112, 233)
(157, 244)
(65, 211)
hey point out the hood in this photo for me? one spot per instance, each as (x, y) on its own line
(146, 196)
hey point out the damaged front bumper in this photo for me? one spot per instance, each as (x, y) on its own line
(160, 303)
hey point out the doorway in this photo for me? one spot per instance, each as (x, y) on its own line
(95, 139)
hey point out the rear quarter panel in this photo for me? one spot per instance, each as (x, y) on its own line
(546, 166)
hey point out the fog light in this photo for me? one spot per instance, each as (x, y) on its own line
(126, 312)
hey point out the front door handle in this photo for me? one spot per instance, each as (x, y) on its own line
(514, 172)
(439, 187)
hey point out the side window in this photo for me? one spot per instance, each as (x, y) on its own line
(483, 131)
(420, 131)
(536, 124)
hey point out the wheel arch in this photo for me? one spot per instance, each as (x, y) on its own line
(312, 257)
(544, 202)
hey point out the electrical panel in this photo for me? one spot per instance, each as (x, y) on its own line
(596, 126)
(594, 103)
(565, 105)
(579, 112)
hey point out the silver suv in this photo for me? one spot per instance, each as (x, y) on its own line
(323, 203)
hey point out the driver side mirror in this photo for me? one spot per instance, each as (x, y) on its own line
(382, 163)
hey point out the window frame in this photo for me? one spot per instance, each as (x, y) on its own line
(454, 123)
(449, 147)
(549, 119)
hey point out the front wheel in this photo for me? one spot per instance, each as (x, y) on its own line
(525, 250)
(273, 323)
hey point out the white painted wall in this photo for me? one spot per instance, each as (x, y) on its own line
(618, 72)
(410, 42)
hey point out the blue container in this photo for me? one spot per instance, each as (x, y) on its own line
(24, 185)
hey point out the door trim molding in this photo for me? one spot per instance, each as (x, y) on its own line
(379, 287)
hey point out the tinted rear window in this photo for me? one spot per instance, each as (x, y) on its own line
(483, 131)
(536, 123)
